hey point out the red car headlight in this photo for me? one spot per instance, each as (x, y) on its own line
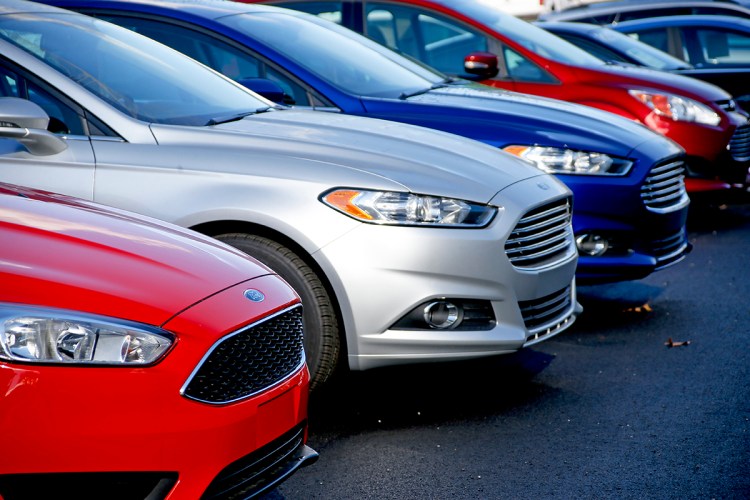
(45, 335)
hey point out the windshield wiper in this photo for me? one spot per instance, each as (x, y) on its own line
(434, 86)
(237, 116)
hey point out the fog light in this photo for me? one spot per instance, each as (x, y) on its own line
(453, 314)
(441, 314)
(591, 245)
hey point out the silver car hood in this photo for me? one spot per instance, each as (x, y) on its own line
(342, 149)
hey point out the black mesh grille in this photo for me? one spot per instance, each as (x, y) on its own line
(542, 237)
(250, 360)
(262, 469)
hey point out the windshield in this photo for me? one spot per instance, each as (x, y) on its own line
(134, 74)
(644, 54)
(490, 13)
(339, 56)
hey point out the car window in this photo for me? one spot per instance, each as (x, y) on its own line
(63, 118)
(335, 54)
(521, 69)
(657, 38)
(332, 11)
(435, 40)
(130, 73)
(722, 48)
(227, 59)
(592, 48)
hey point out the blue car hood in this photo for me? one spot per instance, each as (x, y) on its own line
(501, 118)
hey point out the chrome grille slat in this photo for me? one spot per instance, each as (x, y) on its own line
(664, 188)
(549, 315)
(670, 250)
(739, 144)
(537, 255)
(542, 237)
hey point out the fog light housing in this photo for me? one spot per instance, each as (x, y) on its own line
(592, 245)
(442, 314)
(449, 314)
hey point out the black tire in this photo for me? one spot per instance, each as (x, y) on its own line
(322, 341)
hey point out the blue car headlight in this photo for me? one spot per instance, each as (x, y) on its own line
(555, 160)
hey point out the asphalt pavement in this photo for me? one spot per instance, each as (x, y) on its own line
(646, 396)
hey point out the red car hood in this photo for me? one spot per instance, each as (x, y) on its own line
(63, 252)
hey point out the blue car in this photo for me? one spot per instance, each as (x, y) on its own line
(630, 203)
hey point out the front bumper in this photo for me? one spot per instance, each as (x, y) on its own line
(382, 273)
(75, 426)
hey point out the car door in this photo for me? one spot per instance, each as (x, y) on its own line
(70, 171)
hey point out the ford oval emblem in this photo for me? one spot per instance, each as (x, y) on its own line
(255, 295)
(543, 185)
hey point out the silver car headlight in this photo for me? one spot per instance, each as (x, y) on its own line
(398, 208)
(45, 335)
(567, 161)
(681, 109)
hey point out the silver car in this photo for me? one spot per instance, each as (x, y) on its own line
(405, 244)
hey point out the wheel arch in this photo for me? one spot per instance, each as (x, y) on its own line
(215, 228)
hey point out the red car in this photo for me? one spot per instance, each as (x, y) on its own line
(140, 360)
(477, 40)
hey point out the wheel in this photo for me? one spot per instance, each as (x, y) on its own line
(320, 322)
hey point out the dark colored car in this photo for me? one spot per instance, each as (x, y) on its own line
(613, 46)
(624, 10)
(718, 47)
(477, 40)
(630, 203)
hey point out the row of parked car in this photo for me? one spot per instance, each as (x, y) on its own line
(394, 214)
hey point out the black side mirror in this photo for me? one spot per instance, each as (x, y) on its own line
(26, 122)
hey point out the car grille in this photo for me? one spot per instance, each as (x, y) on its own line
(249, 360)
(549, 315)
(739, 145)
(664, 188)
(670, 250)
(263, 469)
(542, 237)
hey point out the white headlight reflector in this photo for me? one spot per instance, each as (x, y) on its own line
(43, 335)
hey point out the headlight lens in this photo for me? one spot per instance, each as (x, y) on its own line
(566, 161)
(681, 109)
(397, 208)
(35, 334)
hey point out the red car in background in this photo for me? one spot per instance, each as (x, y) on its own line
(140, 360)
(477, 40)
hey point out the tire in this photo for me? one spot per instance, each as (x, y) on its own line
(321, 331)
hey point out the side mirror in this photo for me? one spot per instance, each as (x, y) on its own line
(268, 89)
(482, 64)
(26, 122)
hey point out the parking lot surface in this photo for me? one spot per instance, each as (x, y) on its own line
(605, 410)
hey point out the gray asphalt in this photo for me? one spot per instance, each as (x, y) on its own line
(604, 410)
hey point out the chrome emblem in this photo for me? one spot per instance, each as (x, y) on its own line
(254, 295)
(543, 185)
